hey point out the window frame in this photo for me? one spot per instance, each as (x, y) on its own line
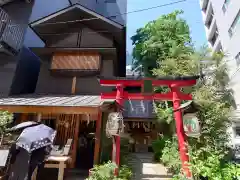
(236, 134)
(237, 59)
(225, 6)
(234, 24)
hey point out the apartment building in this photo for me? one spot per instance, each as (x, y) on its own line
(222, 25)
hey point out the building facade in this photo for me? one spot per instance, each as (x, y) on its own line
(19, 66)
(76, 42)
(222, 25)
(16, 64)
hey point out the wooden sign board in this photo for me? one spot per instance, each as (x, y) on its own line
(147, 87)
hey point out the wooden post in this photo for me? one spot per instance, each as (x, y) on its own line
(75, 140)
(39, 117)
(97, 138)
(23, 118)
(74, 82)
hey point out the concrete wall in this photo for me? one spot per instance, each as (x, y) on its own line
(41, 9)
(7, 70)
(26, 74)
(107, 9)
(14, 68)
(230, 44)
(231, 47)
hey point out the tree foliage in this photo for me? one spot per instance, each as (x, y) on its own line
(5, 119)
(157, 39)
(165, 46)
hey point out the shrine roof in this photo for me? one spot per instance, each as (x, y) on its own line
(36, 103)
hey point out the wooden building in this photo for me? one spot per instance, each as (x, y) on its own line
(79, 45)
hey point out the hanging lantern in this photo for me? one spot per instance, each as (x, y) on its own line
(191, 122)
(191, 125)
(115, 125)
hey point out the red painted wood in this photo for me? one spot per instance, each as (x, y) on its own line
(183, 150)
(120, 100)
(175, 95)
(126, 82)
(140, 96)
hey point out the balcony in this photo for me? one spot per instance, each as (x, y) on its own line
(212, 29)
(139, 109)
(204, 4)
(216, 46)
(214, 38)
(11, 34)
(210, 20)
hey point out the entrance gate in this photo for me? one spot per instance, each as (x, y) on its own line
(175, 95)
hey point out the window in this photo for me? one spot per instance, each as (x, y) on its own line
(205, 7)
(210, 20)
(214, 38)
(234, 24)
(113, 17)
(237, 58)
(237, 131)
(110, 1)
(225, 5)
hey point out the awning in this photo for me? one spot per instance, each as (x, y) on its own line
(63, 104)
(73, 16)
(39, 51)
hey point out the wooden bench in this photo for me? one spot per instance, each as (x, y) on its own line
(59, 162)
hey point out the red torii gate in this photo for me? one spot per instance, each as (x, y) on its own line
(174, 95)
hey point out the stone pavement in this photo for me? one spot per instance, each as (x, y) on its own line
(145, 169)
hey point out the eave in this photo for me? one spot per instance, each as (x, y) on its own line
(62, 20)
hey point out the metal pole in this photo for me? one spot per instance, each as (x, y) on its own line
(183, 151)
(117, 140)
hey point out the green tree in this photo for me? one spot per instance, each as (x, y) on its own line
(164, 48)
(5, 119)
(160, 38)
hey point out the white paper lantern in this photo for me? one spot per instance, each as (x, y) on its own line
(115, 125)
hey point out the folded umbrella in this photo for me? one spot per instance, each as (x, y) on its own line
(36, 137)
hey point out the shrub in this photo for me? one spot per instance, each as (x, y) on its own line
(106, 172)
(170, 155)
(158, 146)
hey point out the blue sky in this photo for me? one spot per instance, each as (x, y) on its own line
(192, 14)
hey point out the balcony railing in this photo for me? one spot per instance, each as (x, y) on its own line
(139, 109)
(214, 38)
(210, 20)
(204, 5)
(11, 34)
